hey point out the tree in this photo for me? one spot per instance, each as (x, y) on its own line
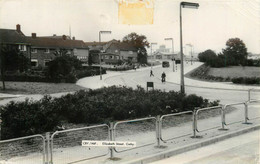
(63, 66)
(206, 55)
(235, 52)
(90, 56)
(12, 60)
(140, 43)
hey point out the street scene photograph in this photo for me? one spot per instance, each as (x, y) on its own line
(129, 81)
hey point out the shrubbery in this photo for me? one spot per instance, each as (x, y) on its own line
(92, 107)
(246, 80)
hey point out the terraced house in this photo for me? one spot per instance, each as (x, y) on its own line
(41, 50)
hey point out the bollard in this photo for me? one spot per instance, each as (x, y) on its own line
(111, 138)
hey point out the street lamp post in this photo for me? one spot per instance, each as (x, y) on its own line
(172, 52)
(184, 5)
(101, 32)
(191, 46)
(152, 52)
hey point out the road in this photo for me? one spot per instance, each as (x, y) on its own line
(242, 149)
(226, 93)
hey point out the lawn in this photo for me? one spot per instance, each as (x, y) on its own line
(38, 88)
(235, 71)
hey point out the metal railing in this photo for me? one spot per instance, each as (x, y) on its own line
(195, 119)
(172, 115)
(44, 158)
(113, 129)
(52, 138)
(135, 121)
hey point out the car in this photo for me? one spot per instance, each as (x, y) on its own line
(165, 64)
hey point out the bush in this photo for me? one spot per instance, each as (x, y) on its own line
(246, 80)
(92, 107)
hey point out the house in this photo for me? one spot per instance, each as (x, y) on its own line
(112, 52)
(126, 51)
(43, 49)
(15, 37)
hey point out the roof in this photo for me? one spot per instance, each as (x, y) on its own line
(95, 43)
(8, 36)
(54, 42)
(122, 46)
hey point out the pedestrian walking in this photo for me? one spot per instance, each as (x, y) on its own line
(151, 73)
(163, 77)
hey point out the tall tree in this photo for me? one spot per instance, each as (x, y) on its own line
(235, 52)
(140, 42)
(11, 59)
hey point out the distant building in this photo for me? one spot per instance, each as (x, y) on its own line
(113, 51)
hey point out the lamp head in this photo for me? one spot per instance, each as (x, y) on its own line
(189, 5)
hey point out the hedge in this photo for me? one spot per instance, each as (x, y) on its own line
(92, 107)
(246, 80)
(70, 78)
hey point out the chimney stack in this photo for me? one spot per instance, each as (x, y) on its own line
(18, 28)
(64, 37)
(54, 34)
(73, 38)
(33, 35)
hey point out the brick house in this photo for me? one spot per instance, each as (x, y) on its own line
(40, 50)
(15, 37)
(44, 48)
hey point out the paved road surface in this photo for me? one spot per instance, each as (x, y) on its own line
(242, 149)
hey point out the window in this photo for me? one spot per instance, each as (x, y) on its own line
(22, 47)
(34, 50)
(111, 57)
(46, 62)
(34, 63)
(46, 50)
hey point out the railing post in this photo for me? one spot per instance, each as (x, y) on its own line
(111, 138)
(194, 123)
(223, 118)
(47, 152)
(246, 113)
(158, 130)
(249, 95)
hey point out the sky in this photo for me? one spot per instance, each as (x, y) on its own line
(208, 27)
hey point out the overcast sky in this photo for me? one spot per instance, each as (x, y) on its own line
(208, 27)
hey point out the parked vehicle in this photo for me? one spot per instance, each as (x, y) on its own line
(165, 64)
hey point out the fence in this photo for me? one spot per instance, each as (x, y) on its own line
(72, 138)
(24, 146)
(54, 147)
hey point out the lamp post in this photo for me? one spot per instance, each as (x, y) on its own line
(191, 46)
(101, 32)
(172, 51)
(172, 43)
(184, 5)
(152, 52)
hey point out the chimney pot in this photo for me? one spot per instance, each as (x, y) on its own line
(18, 28)
(64, 37)
(54, 34)
(33, 35)
(73, 38)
